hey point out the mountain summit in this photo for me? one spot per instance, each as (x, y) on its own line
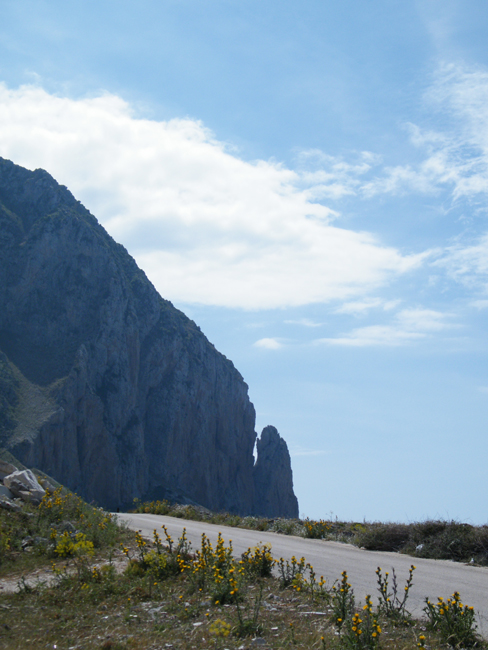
(106, 386)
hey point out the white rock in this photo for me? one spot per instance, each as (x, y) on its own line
(47, 485)
(24, 484)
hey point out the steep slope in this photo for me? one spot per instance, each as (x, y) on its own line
(103, 384)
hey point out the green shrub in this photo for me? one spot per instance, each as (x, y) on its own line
(316, 529)
(362, 631)
(342, 602)
(258, 561)
(77, 545)
(291, 572)
(454, 622)
(392, 604)
(383, 537)
(451, 540)
(153, 507)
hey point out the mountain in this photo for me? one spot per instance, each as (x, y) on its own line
(106, 386)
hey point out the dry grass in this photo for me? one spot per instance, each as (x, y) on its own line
(129, 612)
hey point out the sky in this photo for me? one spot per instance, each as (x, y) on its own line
(308, 182)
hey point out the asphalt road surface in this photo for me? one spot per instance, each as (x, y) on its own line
(432, 578)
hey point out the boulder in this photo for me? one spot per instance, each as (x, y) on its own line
(65, 527)
(47, 485)
(6, 469)
(23, 484)
(5, 492)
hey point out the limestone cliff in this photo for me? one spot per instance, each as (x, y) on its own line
(273, 477)
(103, 384)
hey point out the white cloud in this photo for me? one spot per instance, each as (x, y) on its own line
(467, 263)
(332, 177)
(400, 179)
(453, 153)
(456, 157)
(206, 226)
(269, 344)
(409, 325)
(479, 304)
(419, 319)
(374, 335)
(358, 307)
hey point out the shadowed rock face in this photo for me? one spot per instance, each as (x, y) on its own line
(273, 477)
(103, 384)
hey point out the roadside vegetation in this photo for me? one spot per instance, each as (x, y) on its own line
(435, 539)
(102, 586)
(62, 526)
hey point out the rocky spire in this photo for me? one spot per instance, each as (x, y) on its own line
(273, 479)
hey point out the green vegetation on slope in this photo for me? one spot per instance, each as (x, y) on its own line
(63, 525)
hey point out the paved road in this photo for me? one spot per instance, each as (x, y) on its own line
(432, 578)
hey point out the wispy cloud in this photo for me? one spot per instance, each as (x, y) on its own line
(304, 451)
(453, 151)
(456, 157)
(426, 320)
(358, 307)
(332, 177)
(479, 304)
(206, 226)
(269, 343)
(467, 263)
(409, 325)
(306, 322)
(374, 335)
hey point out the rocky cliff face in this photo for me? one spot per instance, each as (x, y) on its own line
(273, 477)
(106, 386)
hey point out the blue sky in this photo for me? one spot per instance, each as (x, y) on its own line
(308, 182)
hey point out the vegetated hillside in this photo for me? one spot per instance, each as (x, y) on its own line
(106, 386)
